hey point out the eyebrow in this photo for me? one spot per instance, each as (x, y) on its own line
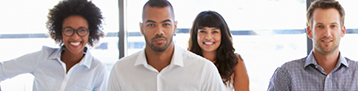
(167, 20)
(334, 23)
(73, 28)
(329, 23)
(150, 21)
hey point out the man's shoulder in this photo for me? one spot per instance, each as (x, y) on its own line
(352, 63)
(294, 64)
(190, 56)
(128, 59)
(187, 55)
(196, 62)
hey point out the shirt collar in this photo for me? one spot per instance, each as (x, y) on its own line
(311, 60)
(86, 60)
(177, 58)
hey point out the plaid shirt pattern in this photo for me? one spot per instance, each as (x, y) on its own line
(306, 75)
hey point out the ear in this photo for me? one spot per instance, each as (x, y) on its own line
(141, 28)
(175, 27)
(343, 31)
(309, 32)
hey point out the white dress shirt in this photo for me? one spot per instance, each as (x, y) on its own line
(186, 72)
(50, 72)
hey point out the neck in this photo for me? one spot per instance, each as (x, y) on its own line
(70, 59)
(159, 60)
(210, 55)
(327, 61)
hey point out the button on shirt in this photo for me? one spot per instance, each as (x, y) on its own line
(186, 72)
(306, 75)
(50, 72)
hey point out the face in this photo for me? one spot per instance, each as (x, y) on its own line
(326, 30)
(75, 43)
(158, 28)
(209, 39)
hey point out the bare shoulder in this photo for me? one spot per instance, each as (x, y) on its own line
(239, 57)
(240, 64)
(241, 78)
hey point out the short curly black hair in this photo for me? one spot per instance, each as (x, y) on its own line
(83, 8)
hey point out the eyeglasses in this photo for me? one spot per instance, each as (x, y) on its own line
(68, 31)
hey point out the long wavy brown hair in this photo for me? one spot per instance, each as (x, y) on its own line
(225, 58)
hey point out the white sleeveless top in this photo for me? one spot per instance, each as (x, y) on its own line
(230, 85)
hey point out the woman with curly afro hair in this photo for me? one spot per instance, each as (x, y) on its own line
(73, 24)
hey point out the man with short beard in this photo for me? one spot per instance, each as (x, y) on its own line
(163, 66)
(325, 68)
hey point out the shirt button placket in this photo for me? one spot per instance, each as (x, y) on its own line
(159, 84)
(327, 83)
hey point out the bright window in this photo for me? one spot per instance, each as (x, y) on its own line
(349, 42)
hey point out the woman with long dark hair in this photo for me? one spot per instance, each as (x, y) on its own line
(210, 38)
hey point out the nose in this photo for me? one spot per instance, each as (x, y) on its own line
(327, 32)
(208, 36)
(159, 30)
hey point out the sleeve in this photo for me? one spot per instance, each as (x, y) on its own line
(280, 81)
(113, 84)
(23, 64)
(212, 80)
(102, 81)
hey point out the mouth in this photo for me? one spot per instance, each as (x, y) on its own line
(209, 43)
(75, 43)
(159, 40)
(330, 40)
(327, 41)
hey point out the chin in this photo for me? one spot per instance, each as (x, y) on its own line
(76, 51)
(209, 50)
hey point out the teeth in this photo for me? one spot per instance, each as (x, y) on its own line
(75, 43)
(209, 43)
(326, 40)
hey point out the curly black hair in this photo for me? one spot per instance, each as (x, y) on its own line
(83, 8)
(226, 59)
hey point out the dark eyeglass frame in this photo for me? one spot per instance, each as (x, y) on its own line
(74, 30)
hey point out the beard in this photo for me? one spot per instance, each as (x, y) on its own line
(327, 49)
(158, 48)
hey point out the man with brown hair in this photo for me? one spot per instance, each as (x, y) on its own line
(325, 68)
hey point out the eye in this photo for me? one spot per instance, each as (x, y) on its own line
(166, 24)
(334, 26)
(320, 26)
(215, 31)
(82, 30)
(68, 30)
(150, 25)
(202, 31)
